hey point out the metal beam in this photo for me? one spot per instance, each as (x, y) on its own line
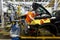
(55, 4)
(2, 16)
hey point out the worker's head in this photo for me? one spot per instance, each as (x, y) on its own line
(35, 6)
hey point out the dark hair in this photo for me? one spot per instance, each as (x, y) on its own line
(34, 6)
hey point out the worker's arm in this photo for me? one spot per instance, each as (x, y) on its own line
(31, 17)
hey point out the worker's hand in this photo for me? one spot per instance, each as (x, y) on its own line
(33, 22)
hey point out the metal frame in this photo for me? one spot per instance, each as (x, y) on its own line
(2, 16)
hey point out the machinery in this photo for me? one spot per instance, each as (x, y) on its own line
(44, 21)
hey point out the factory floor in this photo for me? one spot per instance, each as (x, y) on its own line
(5, 36)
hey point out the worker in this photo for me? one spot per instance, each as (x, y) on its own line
(15, 31)
(18, 10)
(30, 16)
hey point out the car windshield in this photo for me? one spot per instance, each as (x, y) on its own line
(40, 10)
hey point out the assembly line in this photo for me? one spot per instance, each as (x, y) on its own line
(17, 13)
(23, 20)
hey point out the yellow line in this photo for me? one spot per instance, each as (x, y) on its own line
(40, 37)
